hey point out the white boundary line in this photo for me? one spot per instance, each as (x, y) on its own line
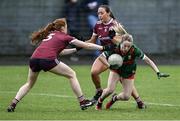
(40, 94)
(91, 120)
(160, 104)
(66, 96)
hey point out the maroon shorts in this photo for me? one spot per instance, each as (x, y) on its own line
(37, 65)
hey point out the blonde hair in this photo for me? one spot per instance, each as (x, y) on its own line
(127, 37)
(38, 36)
(119, 29)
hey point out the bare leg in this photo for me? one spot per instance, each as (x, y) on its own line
(112, 81)
(137, 98)
(127, 85)
(66, 71)
(135, 93)
(97, 68)
(32, 77)
(125, 94)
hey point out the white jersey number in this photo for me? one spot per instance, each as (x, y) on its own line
(49, 37)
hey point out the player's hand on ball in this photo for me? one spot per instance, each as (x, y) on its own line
(159, 75)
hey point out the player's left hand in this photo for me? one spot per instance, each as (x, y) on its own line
(159, 75)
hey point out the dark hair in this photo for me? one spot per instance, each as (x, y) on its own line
(108, 10)
(38, 36)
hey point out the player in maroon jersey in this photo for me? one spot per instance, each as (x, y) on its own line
(101, 32)
(52, 40)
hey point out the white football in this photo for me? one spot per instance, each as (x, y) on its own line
(115, 59)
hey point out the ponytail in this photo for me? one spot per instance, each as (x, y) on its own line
(38, 36)
(111, 15)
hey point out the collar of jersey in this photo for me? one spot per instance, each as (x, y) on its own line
(108, 22)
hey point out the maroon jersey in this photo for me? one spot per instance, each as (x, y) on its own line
(101, 30)
(52, 45)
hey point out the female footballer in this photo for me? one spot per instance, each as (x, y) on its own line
(125, 73)
(52, 40)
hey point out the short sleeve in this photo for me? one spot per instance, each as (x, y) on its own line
(95, 29)
(69, 38)
(138, 53)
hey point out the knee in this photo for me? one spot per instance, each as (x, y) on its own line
(29, 84)
(94, 73)
(126, 97)
(109, 90)
(72, 74)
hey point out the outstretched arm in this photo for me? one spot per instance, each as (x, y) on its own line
(154, 67)
(151, 63)
(90, 46)
(92, 39)
(68, 51)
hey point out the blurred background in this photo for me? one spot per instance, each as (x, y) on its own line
(154, 24)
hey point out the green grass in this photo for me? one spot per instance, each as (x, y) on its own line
(46, 101)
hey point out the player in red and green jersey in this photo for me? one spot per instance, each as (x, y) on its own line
(126, 73)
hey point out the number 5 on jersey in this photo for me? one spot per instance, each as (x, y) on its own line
(49, 37)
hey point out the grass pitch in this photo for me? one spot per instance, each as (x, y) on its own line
(52, 98)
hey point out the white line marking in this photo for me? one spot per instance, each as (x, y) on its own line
(40, 94)
(159, 104)
(66, 96)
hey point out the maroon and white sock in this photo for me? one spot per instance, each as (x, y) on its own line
(81, 98)
(138, 99)
(14, 102)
